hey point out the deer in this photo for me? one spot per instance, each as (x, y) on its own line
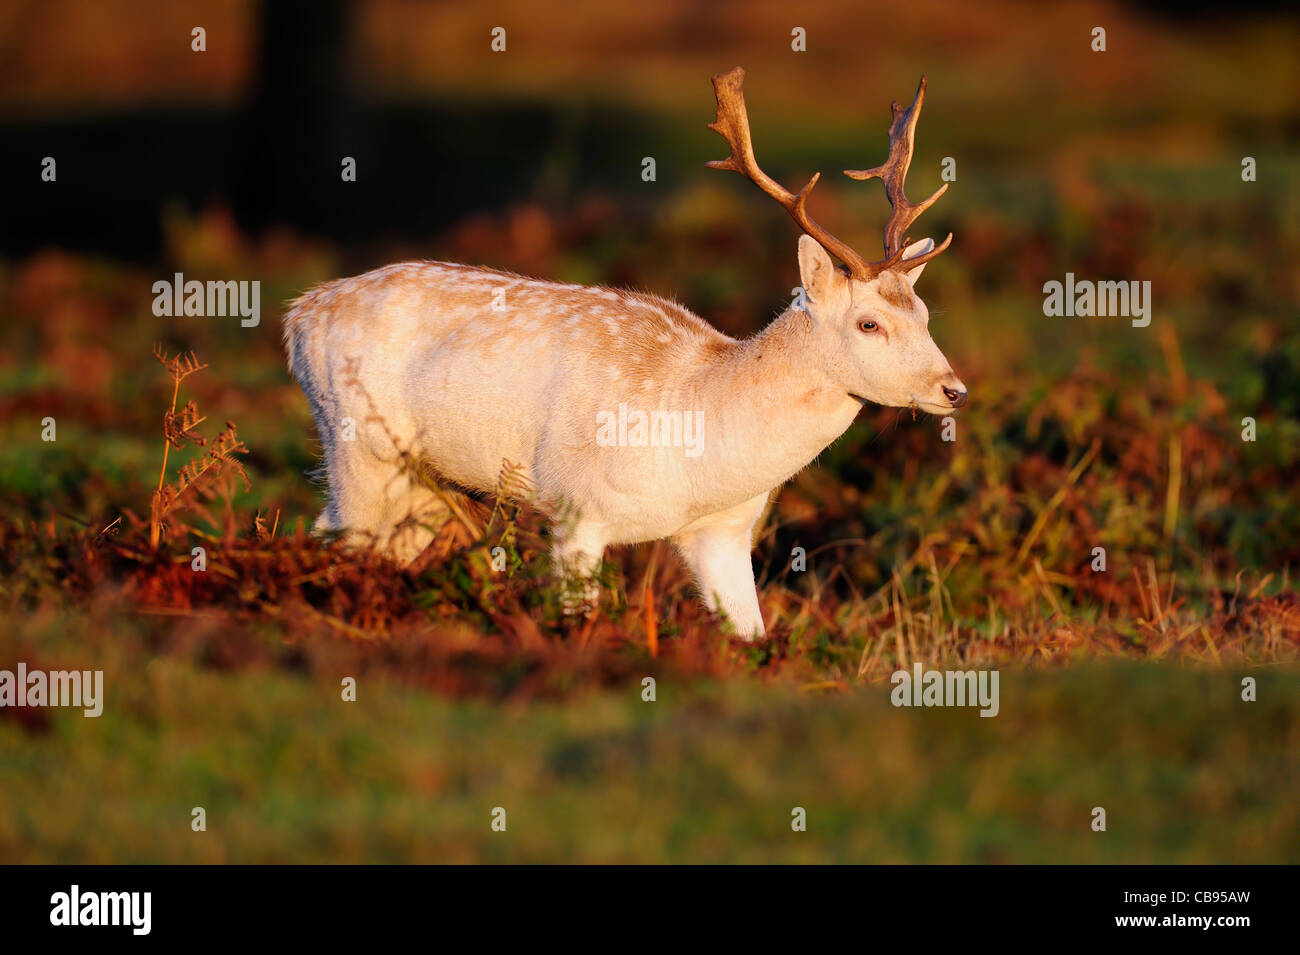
(469, 369)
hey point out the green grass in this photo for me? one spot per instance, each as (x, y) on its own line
(288, 772)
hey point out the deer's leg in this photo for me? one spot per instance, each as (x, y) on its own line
(376, 504)
(327, 521)
(416, 513)
(576, 555)
(718, 554)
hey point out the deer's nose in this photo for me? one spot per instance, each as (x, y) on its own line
(956, 396)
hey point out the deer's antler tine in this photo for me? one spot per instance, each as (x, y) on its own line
(733, 125)
(893, 173)
(906, 265)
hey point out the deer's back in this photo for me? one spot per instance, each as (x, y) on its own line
(475, 366)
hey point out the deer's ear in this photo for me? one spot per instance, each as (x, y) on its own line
(916, 248)
(817, 273)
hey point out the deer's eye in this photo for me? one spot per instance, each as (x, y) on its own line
(866, 326)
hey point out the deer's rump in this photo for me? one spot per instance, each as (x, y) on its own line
(373, 380)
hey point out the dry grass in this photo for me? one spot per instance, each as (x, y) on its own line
(454, 623)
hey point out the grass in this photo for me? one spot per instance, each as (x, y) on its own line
(709, 772)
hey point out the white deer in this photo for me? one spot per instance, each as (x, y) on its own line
(466, 369)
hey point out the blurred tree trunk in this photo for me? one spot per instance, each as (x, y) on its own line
(300, 120)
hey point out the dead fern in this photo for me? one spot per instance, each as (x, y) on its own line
(217, 462)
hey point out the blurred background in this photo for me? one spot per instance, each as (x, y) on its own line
(1122, 164)
(225, 164)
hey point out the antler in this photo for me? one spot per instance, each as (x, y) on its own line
(733, 125)
(893, 173)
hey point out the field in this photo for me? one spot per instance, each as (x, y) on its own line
(1121, 687)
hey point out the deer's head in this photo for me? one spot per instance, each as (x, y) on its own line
(872, 328)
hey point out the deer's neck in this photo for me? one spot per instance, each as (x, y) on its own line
(771, 407)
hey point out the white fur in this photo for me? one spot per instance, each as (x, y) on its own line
(466, 388)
